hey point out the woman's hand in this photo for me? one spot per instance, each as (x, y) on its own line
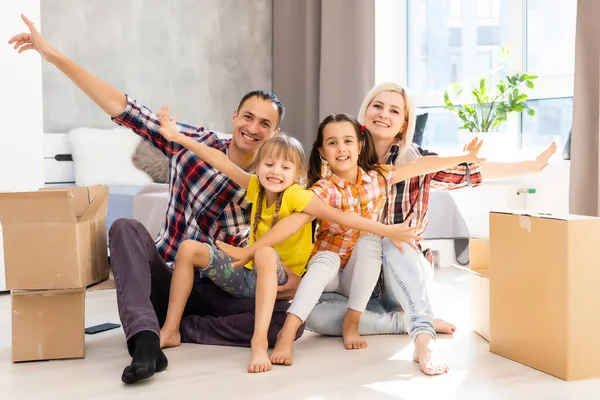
(168, 126)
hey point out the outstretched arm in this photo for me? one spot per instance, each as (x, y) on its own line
(278, 233)
(108, 98)
(398, 233)
(502, 170)
(124, 110)
(214, 157)
(431, 164)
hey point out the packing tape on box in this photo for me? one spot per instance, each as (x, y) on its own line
(525, 223)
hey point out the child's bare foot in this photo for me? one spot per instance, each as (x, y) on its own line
(259, 357)
(442, 326)
(282, 353)
(428, 356)
(352, 340)
(169, 338)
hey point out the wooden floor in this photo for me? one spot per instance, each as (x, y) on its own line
(322, 368)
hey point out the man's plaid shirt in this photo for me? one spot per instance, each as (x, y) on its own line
(204, 204)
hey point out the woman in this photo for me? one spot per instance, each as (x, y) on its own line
(389, 114)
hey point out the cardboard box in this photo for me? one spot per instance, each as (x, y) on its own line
(479, 256)
(55, 239)
(543, 284)
(50, 324)
(479, 282)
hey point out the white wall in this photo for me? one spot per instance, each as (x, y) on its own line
(552, 196)
(21, 155)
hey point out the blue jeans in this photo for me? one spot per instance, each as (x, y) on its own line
(405, 281)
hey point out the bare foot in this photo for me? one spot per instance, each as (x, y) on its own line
(442, 326)
(282, 353)
(428, 356)
(259, 357)
(169, 338)
(352, 340)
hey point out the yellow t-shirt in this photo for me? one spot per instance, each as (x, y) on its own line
(294, 251)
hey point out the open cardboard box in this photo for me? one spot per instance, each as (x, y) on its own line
(50, 324)
(55, 238)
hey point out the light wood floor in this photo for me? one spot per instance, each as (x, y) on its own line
(322, 368)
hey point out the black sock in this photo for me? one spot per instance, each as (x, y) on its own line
(148, 358)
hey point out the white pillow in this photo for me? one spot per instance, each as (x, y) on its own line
(103, 156)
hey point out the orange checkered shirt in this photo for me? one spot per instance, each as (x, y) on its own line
(366, 197)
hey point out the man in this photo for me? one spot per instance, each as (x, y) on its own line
(204, 205)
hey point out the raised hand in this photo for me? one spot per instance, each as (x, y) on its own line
(33, 41)
(242, 254)
(168, 125)
(473, 150)
(541, 161)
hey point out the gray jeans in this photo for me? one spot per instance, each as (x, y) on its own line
(405, 281)
(356, 280)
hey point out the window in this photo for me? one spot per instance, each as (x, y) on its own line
(440, 130)
(447, 42)
(553, 121)
(458, 41)
(551, 37)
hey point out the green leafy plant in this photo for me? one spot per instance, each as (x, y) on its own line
(492, 99)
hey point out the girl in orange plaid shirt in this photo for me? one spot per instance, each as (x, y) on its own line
(344, 172)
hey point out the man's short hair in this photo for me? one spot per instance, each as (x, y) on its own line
(265, 95)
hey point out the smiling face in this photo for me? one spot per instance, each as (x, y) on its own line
(276, 173)
(386, 115)
(279, 163)
(253, 123)
(341, 148)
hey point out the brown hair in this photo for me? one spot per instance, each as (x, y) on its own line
(289, 149)
(367, 158)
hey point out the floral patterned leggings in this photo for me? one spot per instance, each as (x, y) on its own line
(239, 281)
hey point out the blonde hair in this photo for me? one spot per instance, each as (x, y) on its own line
(408, 150)
(289, 149)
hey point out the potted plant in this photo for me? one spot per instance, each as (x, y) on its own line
(492, 98)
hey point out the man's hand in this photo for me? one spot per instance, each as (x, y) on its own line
(33, 41)
(242, 254)
(288, 290)
(168, 126)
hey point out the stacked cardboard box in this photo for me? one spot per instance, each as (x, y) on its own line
(54, 248)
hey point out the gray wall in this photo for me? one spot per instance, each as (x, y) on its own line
(199, 56)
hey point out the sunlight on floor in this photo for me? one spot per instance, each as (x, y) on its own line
(406, 354)
(421, 387)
